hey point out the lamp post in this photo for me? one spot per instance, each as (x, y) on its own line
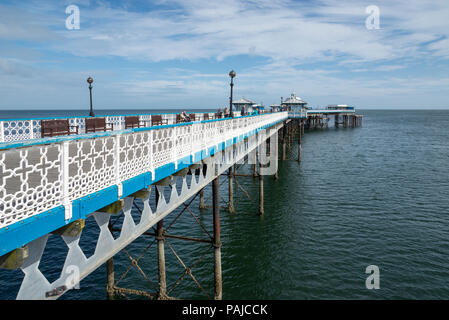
(232, 74)
(89, 81)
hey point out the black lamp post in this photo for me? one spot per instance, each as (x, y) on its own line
(232, 74)
(89, 81)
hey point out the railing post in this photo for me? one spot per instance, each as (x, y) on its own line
(192, 135)
(31, 130)
(2, 134)
(117, 165)
(174, 148)
(65, 180)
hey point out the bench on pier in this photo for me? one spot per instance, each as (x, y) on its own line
(134, 122)
(58, 127)
(98, 124)
(156, 120)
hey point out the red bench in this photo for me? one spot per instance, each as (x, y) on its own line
(134, 122)
(59, 127)
(98, 124)
(156, 120)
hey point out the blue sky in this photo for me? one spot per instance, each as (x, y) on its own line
(176, 53)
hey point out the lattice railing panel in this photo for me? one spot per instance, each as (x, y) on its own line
(91, 166)
(36, 178)
(135, 154)
(162, 145)
(30, 182)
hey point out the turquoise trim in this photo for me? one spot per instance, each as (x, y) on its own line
(41, 141)
(197, 157)
(164, 171)
(184, 162)
(27, 230)
(97, 116)
(95, 201)
(130, 186)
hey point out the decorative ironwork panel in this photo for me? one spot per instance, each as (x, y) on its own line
(135, 154)
(91, 166)
(30, 182)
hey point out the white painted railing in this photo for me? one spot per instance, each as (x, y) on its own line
(298, 114)
(26, 129)
(47, 173)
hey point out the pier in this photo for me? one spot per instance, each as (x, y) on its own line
(56, 173)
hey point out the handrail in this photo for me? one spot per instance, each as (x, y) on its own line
(19, 130)
(42, 174)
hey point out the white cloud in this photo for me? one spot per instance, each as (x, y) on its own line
(289, 36)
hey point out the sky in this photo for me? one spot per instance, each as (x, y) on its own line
(164, 54)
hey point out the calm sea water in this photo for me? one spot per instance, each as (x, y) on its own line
(374, 195)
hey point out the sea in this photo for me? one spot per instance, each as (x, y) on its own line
(375, 197)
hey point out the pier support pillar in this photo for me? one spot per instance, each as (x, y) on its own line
(261, 195)
(255, 163)
(218, 294)
(337, 124)
(110, 281)
(231, 191)
(202, 204)
(284, 147)
(110, 278)
(161, 261)
(299, 140)
(275, 148)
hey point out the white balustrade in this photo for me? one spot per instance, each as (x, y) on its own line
(39, 177)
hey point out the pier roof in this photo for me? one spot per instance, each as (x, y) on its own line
(294, 100)
(243, 101)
